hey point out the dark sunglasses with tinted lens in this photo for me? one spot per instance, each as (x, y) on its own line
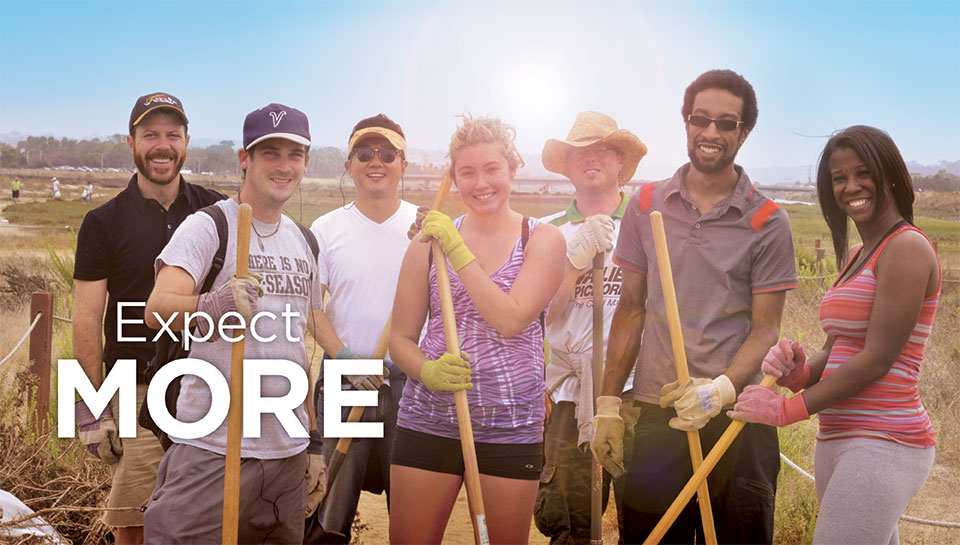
(364, 154)
(703, 122)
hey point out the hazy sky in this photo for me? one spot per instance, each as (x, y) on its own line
(74, 68)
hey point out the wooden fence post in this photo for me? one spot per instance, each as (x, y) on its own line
(41, 342)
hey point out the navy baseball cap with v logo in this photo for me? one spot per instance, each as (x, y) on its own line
(276, 121)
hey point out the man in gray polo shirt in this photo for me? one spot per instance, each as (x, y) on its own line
(732, 256)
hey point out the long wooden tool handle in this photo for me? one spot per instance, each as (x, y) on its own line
(700, 475)
(471, 469)
(444, 190)
(596, 490)
(680, 358)
(231, 475)
(356, 412)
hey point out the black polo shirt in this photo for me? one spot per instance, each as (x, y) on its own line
(119, 241)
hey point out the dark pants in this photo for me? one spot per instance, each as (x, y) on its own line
(367, 463)
(562, 511)
(742, 486)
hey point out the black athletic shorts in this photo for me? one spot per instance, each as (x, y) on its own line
(435, 453)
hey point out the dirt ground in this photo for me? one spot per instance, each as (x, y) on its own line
(937, 500)
(375, 523)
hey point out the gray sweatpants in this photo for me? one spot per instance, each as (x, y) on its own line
(187, 505)
(863, 486)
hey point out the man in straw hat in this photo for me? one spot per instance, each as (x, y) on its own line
(599, 159)
(362, 246)
(732, 257)
(279, 466)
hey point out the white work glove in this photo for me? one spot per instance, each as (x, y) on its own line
(697, 401)
(595, 236)
(98, 435)
(316, 482)
(608, 428)
(360, 382)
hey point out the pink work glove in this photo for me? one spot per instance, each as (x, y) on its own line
(787, 361)
(239, 294)
(764, 406)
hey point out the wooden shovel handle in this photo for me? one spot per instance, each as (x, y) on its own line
(680, 358)
(700, 474)
(231, 476)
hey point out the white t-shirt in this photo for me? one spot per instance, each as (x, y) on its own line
(359, 263)
(573, 334)
(286, 265)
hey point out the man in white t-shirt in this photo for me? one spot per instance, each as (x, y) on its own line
(599, 159)
(361, 247)
(186, 506)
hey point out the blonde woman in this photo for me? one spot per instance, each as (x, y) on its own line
(504, 270)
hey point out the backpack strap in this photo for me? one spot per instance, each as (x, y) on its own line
(220, 219)
(311, 240)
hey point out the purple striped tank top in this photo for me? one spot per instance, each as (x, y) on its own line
(506, 402)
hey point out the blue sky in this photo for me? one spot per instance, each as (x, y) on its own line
(74, 68)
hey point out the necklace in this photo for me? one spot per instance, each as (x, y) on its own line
(260, 237)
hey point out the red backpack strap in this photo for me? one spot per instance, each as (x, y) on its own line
(762, 214)
(645, 199)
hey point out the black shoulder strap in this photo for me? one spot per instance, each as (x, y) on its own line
(220, 219)
(311, 239)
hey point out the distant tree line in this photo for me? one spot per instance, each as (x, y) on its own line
(941, 181)
(219, 159)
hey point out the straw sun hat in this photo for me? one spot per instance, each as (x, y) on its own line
(591, 128)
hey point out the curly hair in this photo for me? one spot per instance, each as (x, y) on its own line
(477, 130)
(728, 80)
(887, 169)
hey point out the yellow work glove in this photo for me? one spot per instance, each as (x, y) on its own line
(697, 401)
(607, 442)
(439, 226)
(316, 482)
(448, 373)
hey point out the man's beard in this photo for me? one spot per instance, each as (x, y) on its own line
(144, 167)
(719, 165)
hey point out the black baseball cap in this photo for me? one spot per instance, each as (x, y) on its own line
(153, 101)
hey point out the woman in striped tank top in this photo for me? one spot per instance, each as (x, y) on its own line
(876, 445)
(504, 270)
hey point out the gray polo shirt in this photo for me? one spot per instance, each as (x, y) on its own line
(720, 259)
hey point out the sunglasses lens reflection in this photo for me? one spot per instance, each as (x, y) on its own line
(365, 154)
(703, 122)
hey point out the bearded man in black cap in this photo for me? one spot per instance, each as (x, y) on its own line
(116, 248)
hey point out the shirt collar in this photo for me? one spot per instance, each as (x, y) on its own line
(740, 197)
(574, 216)
(141, 201)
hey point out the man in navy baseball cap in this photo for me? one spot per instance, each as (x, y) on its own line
(279, 467)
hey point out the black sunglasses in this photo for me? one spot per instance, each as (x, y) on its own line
(703, 122)
(364, 154)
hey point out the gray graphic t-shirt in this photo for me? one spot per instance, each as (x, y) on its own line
(289, 278)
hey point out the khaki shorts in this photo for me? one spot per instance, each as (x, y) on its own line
(135, 475)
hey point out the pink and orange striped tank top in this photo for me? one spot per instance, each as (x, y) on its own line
(888, 408)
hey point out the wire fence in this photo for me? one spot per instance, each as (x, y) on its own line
(918, 520)
(23, 339)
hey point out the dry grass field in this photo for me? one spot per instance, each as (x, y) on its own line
(54, 474)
